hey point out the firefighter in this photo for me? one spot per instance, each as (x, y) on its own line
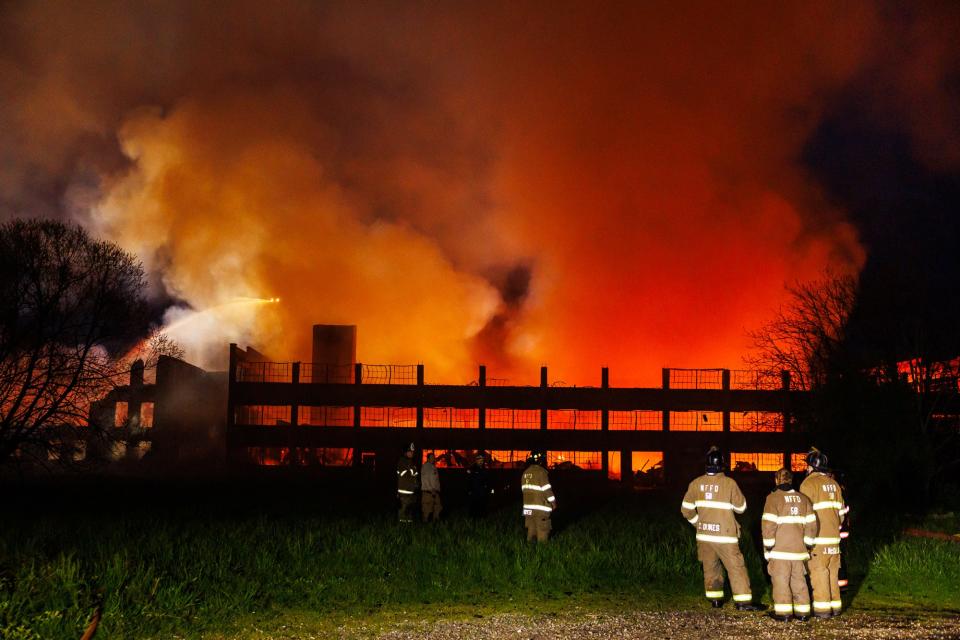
(789, 527)
(407, 482)
(538, 499)
(824, 565)
(430, 489)
(709, 505)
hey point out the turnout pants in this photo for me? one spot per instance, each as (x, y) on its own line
(790, 594)
(407, 501)
(712, 555)
(430, 505)
(538, 526)
(825, 580)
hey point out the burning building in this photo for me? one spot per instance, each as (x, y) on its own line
(337, 412)
(178, 418)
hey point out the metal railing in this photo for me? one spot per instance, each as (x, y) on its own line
(264, 372)
(637, 420)
(389, 374)
(573, 419)
(318, 373)
(756, 380)
(696, 378)
(450, 418)
(502, 418)
(314, 373)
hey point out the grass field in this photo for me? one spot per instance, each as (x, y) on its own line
(199, 566)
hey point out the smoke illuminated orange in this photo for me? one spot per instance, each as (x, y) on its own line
(397, 167)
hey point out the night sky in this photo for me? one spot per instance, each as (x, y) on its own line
(512, 184)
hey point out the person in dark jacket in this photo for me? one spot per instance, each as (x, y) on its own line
(479, 483)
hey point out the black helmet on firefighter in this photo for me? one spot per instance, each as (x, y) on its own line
(715, 461)
(538, 456)
(816, 459)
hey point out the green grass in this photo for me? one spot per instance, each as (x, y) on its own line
(200, 572)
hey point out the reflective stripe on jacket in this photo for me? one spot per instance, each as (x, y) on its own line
(710, 504)
(537, 490)
(788, 525)
(827, 498)
(407, 476)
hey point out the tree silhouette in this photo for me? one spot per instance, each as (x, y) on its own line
(65, 300)
(884, 395)
(807, 337)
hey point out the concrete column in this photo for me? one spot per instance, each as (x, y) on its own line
(233, 455)
(482, 409)
(357, 380)
(626, 466)
(295, 380)
(605, 413)
(543, 385)
(420, 378)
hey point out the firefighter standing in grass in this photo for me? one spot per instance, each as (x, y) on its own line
(709, 505)
(538, 499)
(407, 482)
(789, 527)
(430, 489)
(824, 565)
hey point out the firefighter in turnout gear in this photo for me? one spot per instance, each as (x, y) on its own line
(789, 527)
(538, 499)
(824, 565)
(407, 483)
(709, 505)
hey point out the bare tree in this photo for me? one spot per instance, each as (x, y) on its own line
(156, 344)
(807, 336)
(886, 391)
(65, 300)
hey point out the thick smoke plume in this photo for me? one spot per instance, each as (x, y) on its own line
(515, 184)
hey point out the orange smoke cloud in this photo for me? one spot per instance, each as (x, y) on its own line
(648, 170)
(233, 188)
(396, 168)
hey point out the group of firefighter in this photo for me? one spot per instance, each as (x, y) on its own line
(800, 529)
(801, 536)
(538, 499)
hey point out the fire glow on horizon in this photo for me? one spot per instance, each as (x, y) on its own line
(624, 193)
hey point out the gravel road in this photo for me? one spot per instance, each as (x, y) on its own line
(685, 625)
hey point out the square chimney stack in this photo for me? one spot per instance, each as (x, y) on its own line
(335, 344)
